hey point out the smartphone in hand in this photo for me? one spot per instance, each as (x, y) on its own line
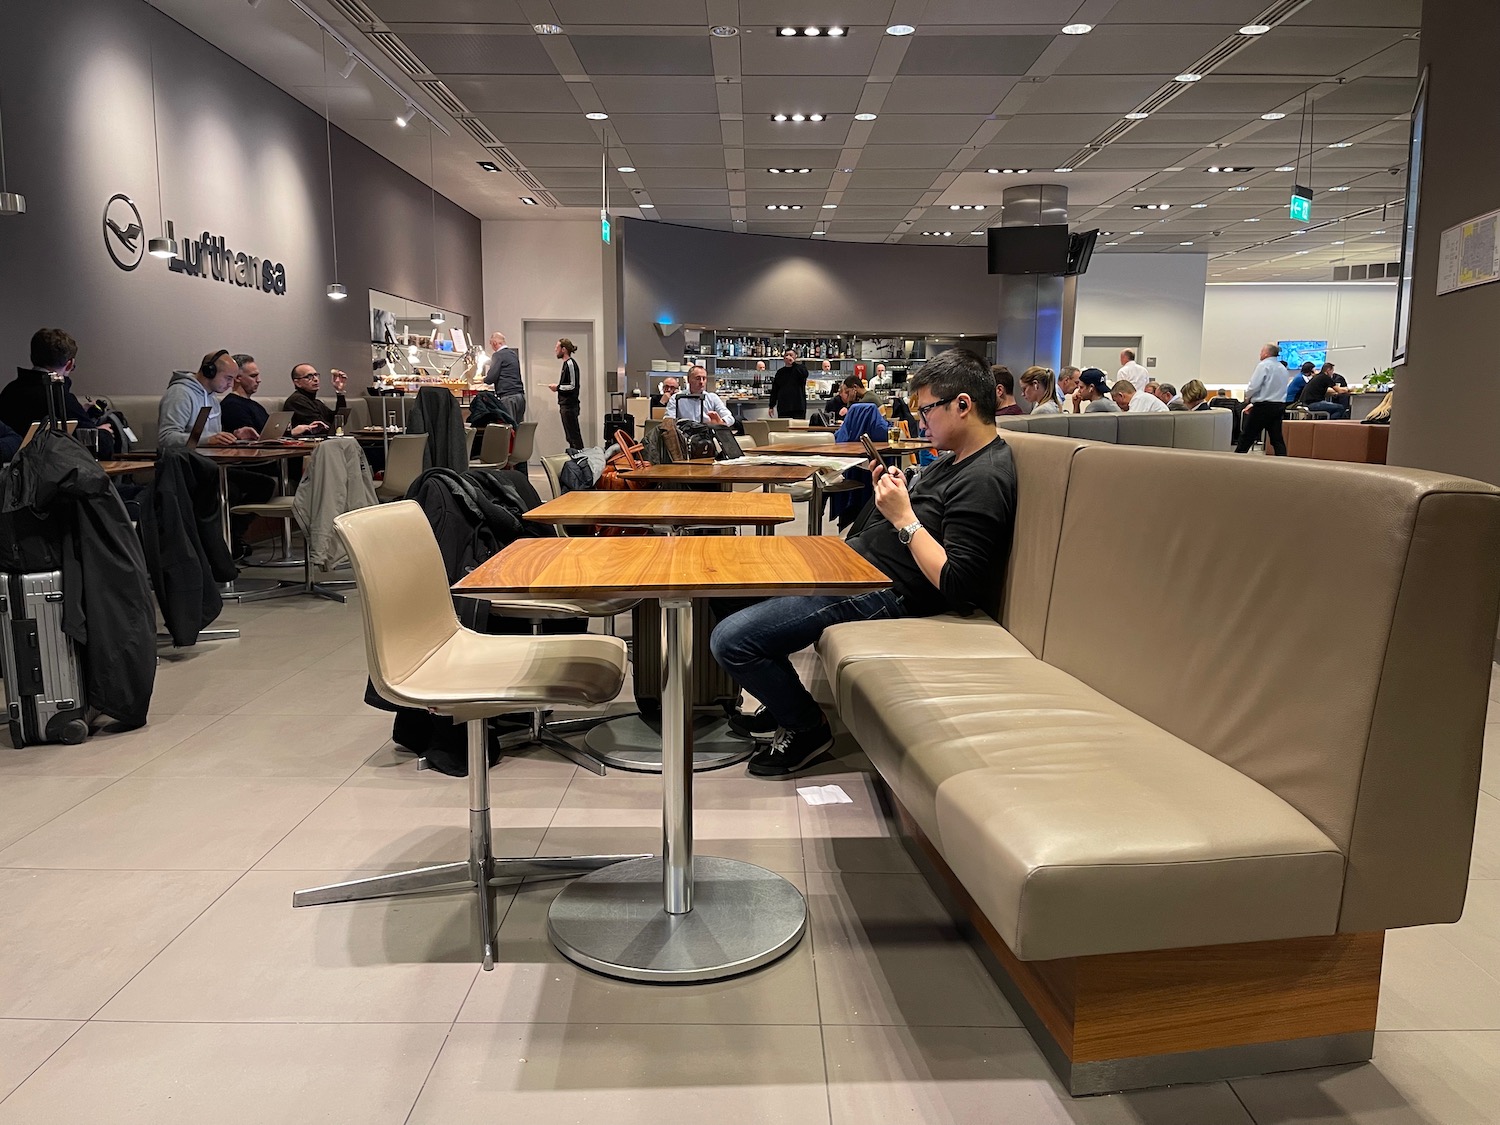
(870, 449)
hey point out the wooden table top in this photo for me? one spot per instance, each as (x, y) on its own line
(123, 468)
(838, 449)
(682, 566)
(716, 472)
(257, 452)
(728, 509)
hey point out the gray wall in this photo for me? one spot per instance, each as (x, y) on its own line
(686, 275)
(1448, 394)
(240, 158)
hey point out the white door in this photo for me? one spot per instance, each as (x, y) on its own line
(540, 366)
(1103, 352)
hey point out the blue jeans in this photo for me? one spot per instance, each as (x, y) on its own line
(754, 641)
(1333, 409)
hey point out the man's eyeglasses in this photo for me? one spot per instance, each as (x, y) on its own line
(923, 411)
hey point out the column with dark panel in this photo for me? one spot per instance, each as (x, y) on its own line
(1035, 308)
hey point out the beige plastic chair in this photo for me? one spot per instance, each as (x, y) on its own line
(403, 466)
(494, 447)
(525, 442)
(420, 656)
(758, 430)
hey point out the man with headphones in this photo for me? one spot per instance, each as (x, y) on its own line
(186, 395)
(943, 541)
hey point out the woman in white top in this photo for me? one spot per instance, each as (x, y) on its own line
(1038, 386)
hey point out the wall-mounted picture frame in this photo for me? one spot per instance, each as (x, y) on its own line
(1409, 222)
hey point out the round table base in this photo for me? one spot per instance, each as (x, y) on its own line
(612, 921)
(634, 743)
(233, 591)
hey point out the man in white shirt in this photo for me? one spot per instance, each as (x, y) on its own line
(714, 409)
(1265, 402)
(1130, 369)
(1137, 402)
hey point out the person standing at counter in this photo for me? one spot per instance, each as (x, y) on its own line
(306, 408)
(789, 388)
(504, 375)
(568, 384)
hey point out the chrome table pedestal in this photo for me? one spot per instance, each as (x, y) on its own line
(674, 918)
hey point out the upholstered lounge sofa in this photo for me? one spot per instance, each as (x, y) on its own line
(1174, 429)
(1181, 846)
(142, 410)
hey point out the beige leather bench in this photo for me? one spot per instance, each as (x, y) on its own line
(142, 410)
(1175, 429)
(1183, 855)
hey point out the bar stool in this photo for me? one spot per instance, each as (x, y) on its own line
(420, 656)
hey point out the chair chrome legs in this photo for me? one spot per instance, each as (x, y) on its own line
(478, 873)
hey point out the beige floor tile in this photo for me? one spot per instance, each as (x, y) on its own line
(1416, 1078)
(853, 837)
(1477, 933)
(532, 982)
(391, 760)
(172, 824)
(1486, 861)
(888, 953)
(204, 686)
(350, 657)
(547, 1074)
(25, 1045)
(255, 745)
(1489, 772)
(1428, 984)
(256, 647)
(27, 803)
(727, 808)
(318, 695)
(253, 958)
(966, 1075)
(105, 754)
(177, 1074)
(413, 817)
(71, 939)
(784, 856)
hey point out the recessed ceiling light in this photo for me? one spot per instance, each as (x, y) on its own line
(864, 117)
(489, 165)
(1340, 242)
(1184, 244)
(546, 29)
(597, 116)
(1062, 169)
(900, 29)
(1187, 78)
(625, 168)
(1252, 220)
(829, 206)
(967, 206)
(812, 32)
(783, 206)
(1078, 29)
(992, 171)
(788, 31)
(1286, 168)
(846, 169)
(818, 232)
(1342, 144)
(1137, 232)
(526, 199)
(647, 206)
(799, 117)
(1111, 244)
(835, 32)
(1150, 206)
(723, 31)
(1272, 116)
(1304, 251)
(1377, 232)
(815, 117)
(1199, 206)
(1341, 187)
(1255, 29)
(779, 117)
(1240, 187)
(1136, 116)
(1107, 233)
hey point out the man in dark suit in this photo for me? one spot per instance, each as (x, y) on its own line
(504, 374)
(789, 389)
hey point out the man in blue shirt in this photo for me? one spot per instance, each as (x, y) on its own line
(714, 410)
(1265, 400)
(1299, 380)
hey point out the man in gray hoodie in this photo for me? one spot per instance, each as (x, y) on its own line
(189, 392)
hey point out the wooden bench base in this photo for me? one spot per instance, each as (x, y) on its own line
(1127, 1021)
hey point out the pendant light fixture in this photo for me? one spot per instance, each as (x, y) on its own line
(11, 203)
(437, 317)
(166, 246)
(336, 292)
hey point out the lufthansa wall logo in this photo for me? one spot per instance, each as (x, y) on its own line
(124, 236)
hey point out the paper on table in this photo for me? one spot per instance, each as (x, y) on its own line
(824, 795)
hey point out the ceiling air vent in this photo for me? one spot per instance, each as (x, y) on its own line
(397, 52)
(505, 157)
(444, 97)
(479, 131)
(355, 12)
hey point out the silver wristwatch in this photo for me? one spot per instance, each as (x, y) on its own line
(908, 532)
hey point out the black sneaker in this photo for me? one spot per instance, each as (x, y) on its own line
(790, 752)
(760, 726)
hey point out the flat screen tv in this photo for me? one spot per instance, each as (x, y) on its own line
(1298, 352)
(1081, 251)
(1019, 250)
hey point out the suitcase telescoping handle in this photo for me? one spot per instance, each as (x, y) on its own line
(620, 395)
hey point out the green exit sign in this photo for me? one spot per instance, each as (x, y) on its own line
(1301, 205)
(604, 226)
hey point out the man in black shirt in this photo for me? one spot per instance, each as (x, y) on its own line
(26, 398)
(239, 410)
(943, 542)
(1315, 395)
(306, 407)
(567, 387)
(789, 389)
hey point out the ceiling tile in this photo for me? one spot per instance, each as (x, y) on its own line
(573, 177)
(1216, 94)
(1371, 95)
(656, 179)
(758, 179)
(1360, 13)
(1319, 51)
(917, 128)
(761, 130)
(696, 197)
(792, 157)
(576, 13)
(845, 13)
(983, 12)
(464, 53)
(540, 128)
(1096, 94)
(764, 95)
(1054, 128)
(1237, 12)
(1038, 157)
(556, 155)
(907, 156)
(675, 156)
(1146, 157)
(621, 93)
(667, 128)
(769, 54)
(1199, 129)
(1141, 50)
(946, 94)
(643, 54)
(866, 178)
(513, 93)
(449, 11)
(973, 54)
(880, 197)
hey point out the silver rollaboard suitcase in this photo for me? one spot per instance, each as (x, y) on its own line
(43, 682)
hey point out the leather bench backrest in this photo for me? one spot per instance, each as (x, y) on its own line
(1097, 426)
(1147, 429)
(1212, 612)
(1042, 467)
(1202, 429)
